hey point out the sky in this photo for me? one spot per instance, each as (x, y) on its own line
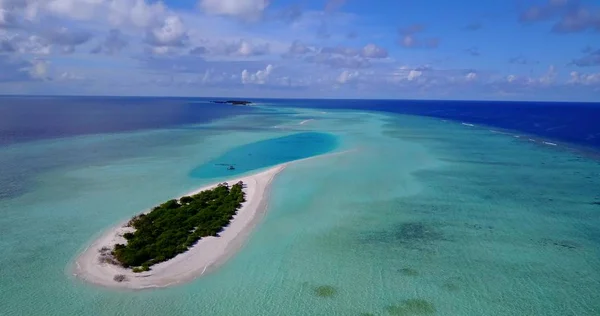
(402, 49)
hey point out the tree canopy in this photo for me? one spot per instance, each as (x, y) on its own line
(174, 226)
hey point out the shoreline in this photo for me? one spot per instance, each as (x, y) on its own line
(205, 256)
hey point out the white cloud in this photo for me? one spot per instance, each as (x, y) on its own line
(471, 76)
(347, 76)
(137, 12)
(414, 74)
(298, 49)
(549, 77)
(584, 79)
(112, 44)
(374, 51)
(32, 44)
(242, 48)
(245, 9)
(171, 33)
(69, 76)
(38, 69)
(259, 77)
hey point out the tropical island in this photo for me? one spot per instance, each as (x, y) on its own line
(233, 102)
(175, 226)
(179, 240)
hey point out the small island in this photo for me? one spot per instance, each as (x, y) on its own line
(233, 102)
(175, 226)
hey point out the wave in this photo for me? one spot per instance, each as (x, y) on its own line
(468, 124)
(550, 144)
(306, 121)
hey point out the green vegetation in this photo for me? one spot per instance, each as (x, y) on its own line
(174, 226)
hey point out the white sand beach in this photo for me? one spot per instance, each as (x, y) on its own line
(206, 255)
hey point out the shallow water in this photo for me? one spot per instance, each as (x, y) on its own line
(419, 217)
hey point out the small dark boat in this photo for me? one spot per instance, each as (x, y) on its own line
(231, 168)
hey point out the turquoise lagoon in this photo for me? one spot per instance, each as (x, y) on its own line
(417, 217)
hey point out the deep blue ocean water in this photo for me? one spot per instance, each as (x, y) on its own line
(34, 118)
(574, 123)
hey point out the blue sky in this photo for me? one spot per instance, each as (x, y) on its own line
(429, 49)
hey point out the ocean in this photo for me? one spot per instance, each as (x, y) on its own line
(435, 208)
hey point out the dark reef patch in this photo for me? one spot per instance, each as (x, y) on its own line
(565, 244)
(409, 235)
(417, 232)
(408, 272)
(450, 286)
(325, 291)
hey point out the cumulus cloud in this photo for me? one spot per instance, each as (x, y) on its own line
(592, 58)
(584, 79)
(66, 38)
(414, 74)
(373, 51)
(347, 76)
(550, 76)
(338, 61)
(199, 50)
(38, 69)
(172, 33)
(55, 22)
(32, 44)
(69, 76)
(569, 16)
(337, 56)
(118, 13)
(259, 77)
(243, 48)
(15, 69)
(297, 48)
(112, 44)
(245, 9)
